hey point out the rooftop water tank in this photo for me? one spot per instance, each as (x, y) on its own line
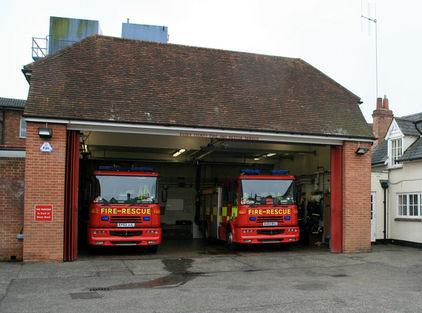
(66, 31)
(145, 32)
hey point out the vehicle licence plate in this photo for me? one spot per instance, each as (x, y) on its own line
(125, 224)
(269, 223)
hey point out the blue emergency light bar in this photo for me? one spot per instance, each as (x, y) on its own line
(251, 171)
(258, 171)
(129, 169)
(279, 172)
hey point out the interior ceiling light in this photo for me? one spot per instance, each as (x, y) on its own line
(256, 159)
(271, 154)
(178, 152)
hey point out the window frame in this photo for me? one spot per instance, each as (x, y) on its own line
(396, 151)
(22, 130)
(409, 205)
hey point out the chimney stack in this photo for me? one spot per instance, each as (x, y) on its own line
(382, 117)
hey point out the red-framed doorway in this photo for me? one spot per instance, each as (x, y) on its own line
(336, 199)
(70, 252)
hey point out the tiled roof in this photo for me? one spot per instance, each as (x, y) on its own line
(12, 103)
(413, 117)
(414, 152)
(379, 153)
(407, 127)
(113, 79)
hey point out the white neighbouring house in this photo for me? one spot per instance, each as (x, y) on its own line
(397, 163)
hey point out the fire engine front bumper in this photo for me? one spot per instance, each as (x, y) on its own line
(124, 236)
(261, 235)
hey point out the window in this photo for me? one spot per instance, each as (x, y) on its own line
(409, 205)
(396, 150)
(22, 128)
(258, 191)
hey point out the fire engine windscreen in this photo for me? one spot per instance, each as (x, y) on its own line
(126, 189)
(256, 191)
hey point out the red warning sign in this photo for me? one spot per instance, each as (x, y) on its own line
(43, 213)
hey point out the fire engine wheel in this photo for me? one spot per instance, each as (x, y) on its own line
(230, 244)
(205, 233)
(152, 249)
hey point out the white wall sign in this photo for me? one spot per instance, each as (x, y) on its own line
(46, 147)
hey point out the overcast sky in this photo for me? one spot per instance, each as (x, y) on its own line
(326, 33)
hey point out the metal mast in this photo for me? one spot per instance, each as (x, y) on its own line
(374, 20)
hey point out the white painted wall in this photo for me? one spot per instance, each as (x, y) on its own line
(407, 179)
(379, 201)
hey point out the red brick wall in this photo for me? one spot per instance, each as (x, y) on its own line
(11, 130)
(44, 184)
(356, 198)
(11, 207)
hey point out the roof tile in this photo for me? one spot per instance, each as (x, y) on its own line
(112, 79)
(12, 103)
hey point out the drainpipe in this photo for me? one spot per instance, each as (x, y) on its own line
(384, 185)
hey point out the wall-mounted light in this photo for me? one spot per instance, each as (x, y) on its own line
(271, 154)
(179, 152)
(361, 150)
(256, 159)
(45, 133)
(384, 183)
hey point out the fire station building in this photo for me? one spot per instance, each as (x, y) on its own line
(107, 101)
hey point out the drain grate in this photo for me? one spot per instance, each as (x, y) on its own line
(85, 295)
(100, 289)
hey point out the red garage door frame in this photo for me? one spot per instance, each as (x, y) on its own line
(71, 196)
(336, 199)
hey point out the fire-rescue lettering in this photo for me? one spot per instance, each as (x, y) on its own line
(269, 211)
(128, 211)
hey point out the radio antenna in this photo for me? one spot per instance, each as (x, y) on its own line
(375, 22)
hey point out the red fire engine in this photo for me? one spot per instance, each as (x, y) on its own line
(125, 210)
(257, 209)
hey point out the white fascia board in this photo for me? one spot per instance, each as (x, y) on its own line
(394, 131)
(195, 132)
(12, 154)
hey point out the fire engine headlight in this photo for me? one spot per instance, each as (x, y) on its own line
(105, 218)
(147, 218)
(292, 230)
(99, 232)
(247, 231)
(152, 231)
(252, 218)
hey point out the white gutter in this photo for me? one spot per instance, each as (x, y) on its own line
(116, 127)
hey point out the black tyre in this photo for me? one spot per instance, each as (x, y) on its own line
(152, 249)
(205, 234)
(230, 244)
